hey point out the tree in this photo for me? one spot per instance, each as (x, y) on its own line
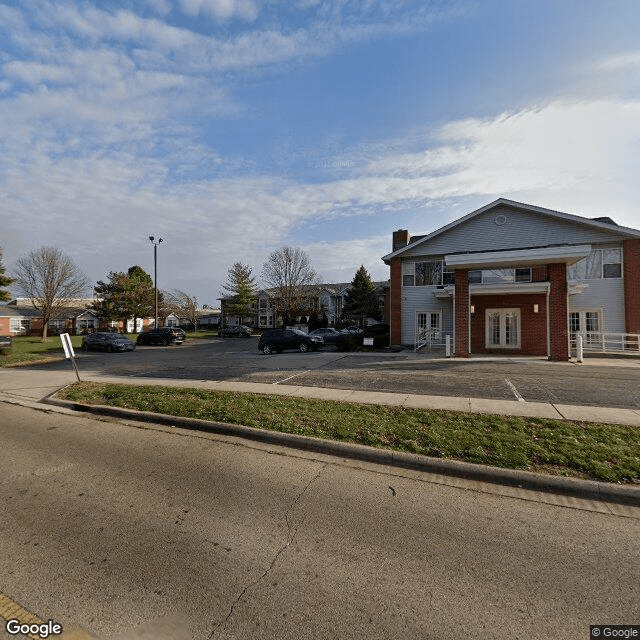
(183, 305)
(51, 281)
(362, 300)
(289, 273)
(110, 298)
(140, 295)
(4, 282)
(125, 295)
(240, 285)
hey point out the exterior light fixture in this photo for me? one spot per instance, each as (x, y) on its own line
(535, 308)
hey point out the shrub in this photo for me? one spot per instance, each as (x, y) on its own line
(349, 342)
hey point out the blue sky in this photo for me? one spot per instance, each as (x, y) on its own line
(233, 127)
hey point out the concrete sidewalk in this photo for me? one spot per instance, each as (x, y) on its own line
(32, 387)
(37, 384)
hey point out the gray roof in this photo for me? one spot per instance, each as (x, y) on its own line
(603, 222)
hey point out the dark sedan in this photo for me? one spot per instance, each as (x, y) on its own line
(235, 331)
(329, 335)
(107, 341)
(280, 339)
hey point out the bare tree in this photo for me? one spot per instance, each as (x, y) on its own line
(183, 305)
(51, 281)
(289, 273)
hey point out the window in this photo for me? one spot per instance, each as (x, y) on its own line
(20, 325)
(500, 276)
(422, 274)
(502, 329)
(588, 322)
(523, 275)
(600, 263)
(429, 324)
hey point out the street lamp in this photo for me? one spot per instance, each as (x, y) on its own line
(155, 274)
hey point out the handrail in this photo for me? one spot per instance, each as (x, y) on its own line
(607, 342)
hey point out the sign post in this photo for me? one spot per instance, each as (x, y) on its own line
(68, 352)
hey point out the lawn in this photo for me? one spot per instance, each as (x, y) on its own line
(605, 452)
(31, 350)
(27, 350)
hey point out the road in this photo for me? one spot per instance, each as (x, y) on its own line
(615, 385)
(111, 528)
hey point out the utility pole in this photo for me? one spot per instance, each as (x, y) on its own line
(155, 274)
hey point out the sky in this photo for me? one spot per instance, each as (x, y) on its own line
(230, 128)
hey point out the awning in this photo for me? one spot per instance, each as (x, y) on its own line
(518, 257)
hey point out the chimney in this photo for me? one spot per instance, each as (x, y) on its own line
(400, 239)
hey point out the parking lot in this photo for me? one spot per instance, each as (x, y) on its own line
(614, 383)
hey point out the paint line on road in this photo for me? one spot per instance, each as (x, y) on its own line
(515, 391)
(11, 610)
(300, 373)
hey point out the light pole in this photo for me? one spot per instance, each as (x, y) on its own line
(155, 274)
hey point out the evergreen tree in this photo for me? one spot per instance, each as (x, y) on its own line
(240, 287)
(140, 295)
(362, 300)
(4, 282)
(125, 295)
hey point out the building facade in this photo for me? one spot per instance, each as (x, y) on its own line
(513, 278)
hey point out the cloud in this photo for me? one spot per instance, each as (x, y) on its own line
(221, 9)
(623, 62)
(562, 152)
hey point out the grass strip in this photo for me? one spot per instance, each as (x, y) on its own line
(606, 452)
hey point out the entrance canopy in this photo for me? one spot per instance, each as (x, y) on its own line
(569, 254)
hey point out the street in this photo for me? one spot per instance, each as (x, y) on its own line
(613, 383)
(112, 528)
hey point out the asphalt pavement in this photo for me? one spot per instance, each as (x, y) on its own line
(35, 385)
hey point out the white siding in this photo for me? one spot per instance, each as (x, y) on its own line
(416, 299)
(607, 295)
(521, 229)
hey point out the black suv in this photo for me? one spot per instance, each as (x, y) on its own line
(162, 335)
(280, 339)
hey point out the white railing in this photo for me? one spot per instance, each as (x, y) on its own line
(429, 338)
(601, 342)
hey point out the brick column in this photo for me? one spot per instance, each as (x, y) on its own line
(462, 313)
(631, 261)
(558, 319)
(395, 302)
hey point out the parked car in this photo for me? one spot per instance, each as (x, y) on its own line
(354, 328)
(162, 335)
(280, 339)
(235, 331)
(107, 341)
(329, 335)
(5, 342)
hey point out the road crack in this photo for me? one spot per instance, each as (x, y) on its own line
(291, 534)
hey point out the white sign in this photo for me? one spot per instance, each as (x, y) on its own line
(67, 346)
(367, 342)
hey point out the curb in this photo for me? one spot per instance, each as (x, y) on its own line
(575, 487)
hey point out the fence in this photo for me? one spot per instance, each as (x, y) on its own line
(429, 338)
(600, 342)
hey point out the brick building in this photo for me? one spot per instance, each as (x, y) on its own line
(513, 278)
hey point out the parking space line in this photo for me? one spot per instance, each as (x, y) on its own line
(515, 391)
(300, 373)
